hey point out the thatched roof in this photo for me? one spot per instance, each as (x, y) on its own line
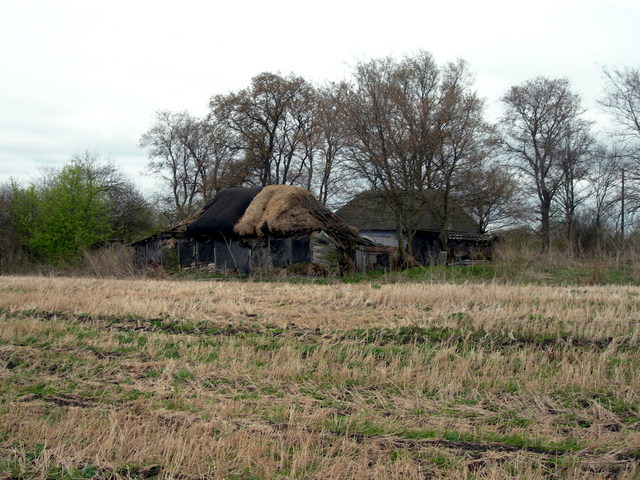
(279, 210)
(373, 210)
(285, 210)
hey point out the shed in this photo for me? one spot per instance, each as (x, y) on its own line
(372, 214)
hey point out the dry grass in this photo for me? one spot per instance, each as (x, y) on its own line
(116, 261)
(136, 378)
(279, 209)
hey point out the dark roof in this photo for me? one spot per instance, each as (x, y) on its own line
(221, 214)
(372, 210)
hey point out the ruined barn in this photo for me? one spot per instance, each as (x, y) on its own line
(245, 230)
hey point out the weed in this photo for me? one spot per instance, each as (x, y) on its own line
(183, 375)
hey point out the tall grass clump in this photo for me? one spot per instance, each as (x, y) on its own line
(116, 261)
(518, 259)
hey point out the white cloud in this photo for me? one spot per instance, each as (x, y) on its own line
(83, 75)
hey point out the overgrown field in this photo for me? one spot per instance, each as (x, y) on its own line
(207, 379)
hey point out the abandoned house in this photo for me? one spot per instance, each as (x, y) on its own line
(373, 214)
(245, 230)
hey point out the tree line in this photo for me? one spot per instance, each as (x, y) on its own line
(408, 126)
(68, 211)
(404, 127)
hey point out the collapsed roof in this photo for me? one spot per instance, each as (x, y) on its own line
(279, 210)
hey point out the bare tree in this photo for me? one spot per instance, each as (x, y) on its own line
(271, 120)
(602, 208)
(329, 179)
(170, 158)
(622, 100)
(493, 199)
(464, 137)
(415, 127)
(195, 157)
(538, 115)
(213, 153)
(391, 140)
(575, 153)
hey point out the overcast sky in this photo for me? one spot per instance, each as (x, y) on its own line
(83, 75)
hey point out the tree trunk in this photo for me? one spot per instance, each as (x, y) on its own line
(400, 240)
(572, 243)
(545, 214)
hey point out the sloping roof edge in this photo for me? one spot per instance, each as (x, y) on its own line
(372, 210)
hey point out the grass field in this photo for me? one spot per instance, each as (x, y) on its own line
(246, 380)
